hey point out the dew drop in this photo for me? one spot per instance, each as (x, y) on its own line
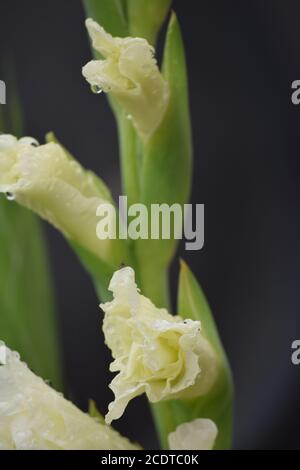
(96, 89)
(10, 196)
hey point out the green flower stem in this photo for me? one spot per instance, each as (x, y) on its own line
(164, 421)
(159, 171)
(129, 158)
(154, 284)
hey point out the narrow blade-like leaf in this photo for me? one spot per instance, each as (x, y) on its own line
(28, 322)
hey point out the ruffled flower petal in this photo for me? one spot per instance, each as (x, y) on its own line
(33, 416)
(154, 352)
(45, 179)
(130, 73)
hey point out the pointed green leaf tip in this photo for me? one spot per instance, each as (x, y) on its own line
(217, 404)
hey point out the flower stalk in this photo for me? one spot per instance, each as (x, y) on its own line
(177, 361)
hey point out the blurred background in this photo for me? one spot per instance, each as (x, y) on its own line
(242, 58)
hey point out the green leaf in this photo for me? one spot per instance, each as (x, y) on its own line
(28, 322)
(193, 304)
(167, 167)
(27, 310)
(217, 404)
(146, 17)
(108, 13)
(129, 158)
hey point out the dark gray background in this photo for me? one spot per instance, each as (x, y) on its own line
(242, 58)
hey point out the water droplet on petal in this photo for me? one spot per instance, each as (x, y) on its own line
(96, 89)
(10, 196)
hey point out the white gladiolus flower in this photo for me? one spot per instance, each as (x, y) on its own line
(45, 179)
(154, 352)
(33, 416)
(199, 434)
(130, 73)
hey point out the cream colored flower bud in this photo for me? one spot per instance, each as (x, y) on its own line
(33, 416)
(154, 352)
(130, 73)
(46, 180)
(199, 434)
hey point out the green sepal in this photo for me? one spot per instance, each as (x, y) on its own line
(167, 167)
(108, 13)
(146, 17)
(218, 403)
(215, 405)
